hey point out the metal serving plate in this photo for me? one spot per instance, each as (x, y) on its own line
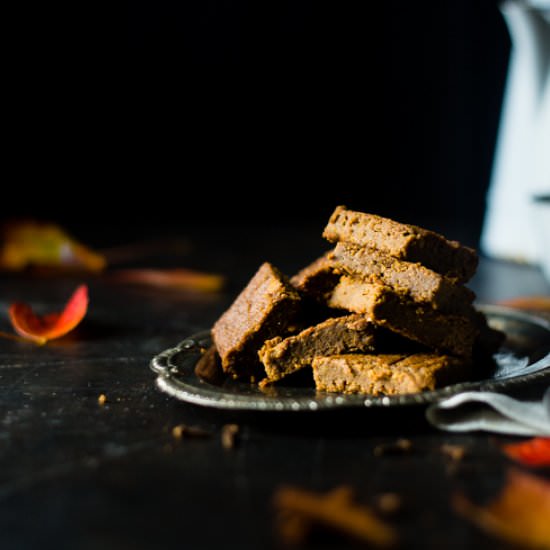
(524, 357)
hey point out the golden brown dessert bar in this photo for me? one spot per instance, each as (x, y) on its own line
(317, 279)
(419, 282)
(265, 308)
(283, 356)
(387, 374)
(454, 334)
(403, 241)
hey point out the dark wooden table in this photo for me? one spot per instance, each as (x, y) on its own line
(80, 475)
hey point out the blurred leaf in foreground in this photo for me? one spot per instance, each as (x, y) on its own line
(30, 243)
(41, 328)
(300, 511)
(520, 514)
(178, 278)
(533, 452)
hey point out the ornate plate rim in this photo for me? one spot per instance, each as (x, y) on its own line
(209, 395)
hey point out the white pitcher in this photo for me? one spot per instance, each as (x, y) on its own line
(521, 165)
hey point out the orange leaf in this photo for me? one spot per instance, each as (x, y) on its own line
(29, 243)
(520, 514)
(182, 279)
(533, 452)
(336, 510)
(535, 303)
(40, 329)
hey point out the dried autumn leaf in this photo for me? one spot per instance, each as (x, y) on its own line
(30, 243)
(179, 278)
(41, 328)
(299, 511)
(520, 514)
(534, 303)
(533, 452)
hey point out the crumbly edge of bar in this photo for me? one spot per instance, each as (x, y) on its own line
(387, 374)
(421, 284)
(281, 357)
(445, 332)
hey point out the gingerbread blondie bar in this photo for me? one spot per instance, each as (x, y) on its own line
(454, 334)
(387, 374)
(420, 283)
(282, 356)
(402, 241)
(265, 308)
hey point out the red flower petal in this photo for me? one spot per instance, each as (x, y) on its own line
(40, 329)
(533, 452)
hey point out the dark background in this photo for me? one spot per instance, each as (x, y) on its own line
(266, 111)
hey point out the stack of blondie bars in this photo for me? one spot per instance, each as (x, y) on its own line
(391, 314)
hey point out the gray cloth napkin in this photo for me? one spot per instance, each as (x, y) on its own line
(492, 412)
